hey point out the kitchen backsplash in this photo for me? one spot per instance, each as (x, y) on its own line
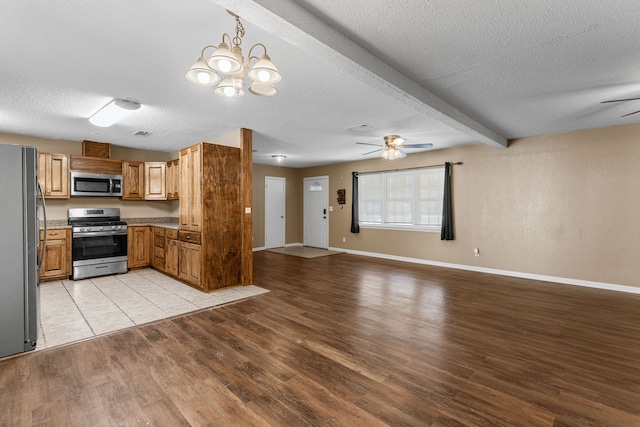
(151, 220)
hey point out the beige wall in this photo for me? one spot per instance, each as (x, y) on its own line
(57, 209)
(564, 205)
(293, 213)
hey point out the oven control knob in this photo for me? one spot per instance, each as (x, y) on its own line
(82, 229)
(113, 227)
(101, 228)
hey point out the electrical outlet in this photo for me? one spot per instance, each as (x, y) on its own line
(476, 252)
(344, 239)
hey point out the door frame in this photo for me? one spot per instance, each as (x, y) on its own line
(267, 202)
(304, 207)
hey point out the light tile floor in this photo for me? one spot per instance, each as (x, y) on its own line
(76, 310)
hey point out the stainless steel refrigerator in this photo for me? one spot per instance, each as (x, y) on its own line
(19, 251)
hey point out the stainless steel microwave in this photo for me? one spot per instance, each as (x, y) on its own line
(95, 184)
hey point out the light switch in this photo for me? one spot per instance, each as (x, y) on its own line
(330, 208)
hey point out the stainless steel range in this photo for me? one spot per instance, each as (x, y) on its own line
(99, 242)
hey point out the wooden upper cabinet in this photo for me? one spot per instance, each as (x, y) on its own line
(173, 179)
(155, 181)
(133, 177)
(53, 173)
(191, 188)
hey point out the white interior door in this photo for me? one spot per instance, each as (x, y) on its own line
(274, 212)
(316, 212)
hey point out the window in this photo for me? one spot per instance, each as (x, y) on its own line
(408, 199)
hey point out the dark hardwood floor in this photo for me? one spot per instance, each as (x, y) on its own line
(352, 341)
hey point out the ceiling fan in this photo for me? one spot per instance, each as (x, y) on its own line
(393, 147)
(623, 100)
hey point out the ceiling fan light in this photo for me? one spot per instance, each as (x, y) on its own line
(393, 153)
(224, 61)
(201, 75)
(262, 89)
(264, 71)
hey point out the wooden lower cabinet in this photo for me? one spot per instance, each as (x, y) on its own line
(189, 261)
(56, 256)
(138, 246)
(171, 256)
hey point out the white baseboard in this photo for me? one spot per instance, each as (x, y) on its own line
(563, 280)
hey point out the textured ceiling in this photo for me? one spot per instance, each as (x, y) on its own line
(449, 73)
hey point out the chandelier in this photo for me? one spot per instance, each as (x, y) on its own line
(226, 68)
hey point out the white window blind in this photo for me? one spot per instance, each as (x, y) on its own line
(408, 199)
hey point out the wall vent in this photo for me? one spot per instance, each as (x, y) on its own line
(142, 133)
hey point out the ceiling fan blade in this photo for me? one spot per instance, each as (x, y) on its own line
(417, 145)
(619, 100)
(368, 143)
(402, 153)
(371, 152)
(629, 114)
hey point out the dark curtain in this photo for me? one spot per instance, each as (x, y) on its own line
(447, 215)
(355, 220)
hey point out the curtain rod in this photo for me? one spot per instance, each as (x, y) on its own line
(404, 169)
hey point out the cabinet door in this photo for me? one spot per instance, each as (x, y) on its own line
(189, 263)
(185, 168)
(190, 188)
(171, 257)
(155, 184)
(56, 255)
(139, 246)
(173, 180)
(133, 186)
(53, 172)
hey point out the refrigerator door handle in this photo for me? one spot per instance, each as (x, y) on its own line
(44, 215)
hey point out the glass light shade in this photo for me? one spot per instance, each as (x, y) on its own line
(114, 111)
(200, 74)
(393, 153)
(262, 89)
(230, 87)
(264, 71)
(224, 61)
(279, 157)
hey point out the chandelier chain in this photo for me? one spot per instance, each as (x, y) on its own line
(237, 40)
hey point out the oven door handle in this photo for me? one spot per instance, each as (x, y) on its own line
(100, 233)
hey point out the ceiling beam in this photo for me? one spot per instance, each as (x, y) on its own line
(295, 25)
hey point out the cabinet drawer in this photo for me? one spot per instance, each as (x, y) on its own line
(190, 236)
(158, 231)
(171, 234)
(54, 234)
(158, 252)
(158, 241)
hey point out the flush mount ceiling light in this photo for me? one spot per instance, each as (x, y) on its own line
(226, 68)
(279, 157)
(114, 111)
